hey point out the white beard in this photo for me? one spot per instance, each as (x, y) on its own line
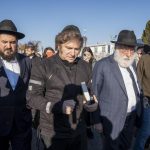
(123, 61)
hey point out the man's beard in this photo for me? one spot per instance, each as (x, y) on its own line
(123, 61)
(9, 56)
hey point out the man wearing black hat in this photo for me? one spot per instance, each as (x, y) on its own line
(115, 85)
(15, 117)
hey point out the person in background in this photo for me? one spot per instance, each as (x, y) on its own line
(30, 50)
(143, 70)
(55, 89)
(88, 56)
(116, 88)
(31, 53)
(139, 53)
(48, 52)
(15, 117)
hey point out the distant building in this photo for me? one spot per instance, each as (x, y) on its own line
(102, 50)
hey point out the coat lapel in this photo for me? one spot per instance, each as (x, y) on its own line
(22, 70)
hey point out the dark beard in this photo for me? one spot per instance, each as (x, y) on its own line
(8, 57)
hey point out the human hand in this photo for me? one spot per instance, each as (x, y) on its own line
(91, 107)
(98, 127)
(68, 106)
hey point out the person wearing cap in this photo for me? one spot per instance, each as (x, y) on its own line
(55, 89)
(116, 87)
(15, 117)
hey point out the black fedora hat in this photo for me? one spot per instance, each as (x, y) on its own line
(7, 26)
(126, 37)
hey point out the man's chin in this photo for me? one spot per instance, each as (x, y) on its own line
(8, 57)
(71, 60)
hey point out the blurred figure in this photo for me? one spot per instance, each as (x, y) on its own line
(31, 53)
(139, 52)
(48, 52)
(146, 49)
(88, 56)
(30, 50)
(15, 117)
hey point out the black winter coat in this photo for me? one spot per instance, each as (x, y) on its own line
(13, 110)
(55, 81)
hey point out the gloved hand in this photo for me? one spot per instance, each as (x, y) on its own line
(68, 106)
(91, 107)
(98, 127)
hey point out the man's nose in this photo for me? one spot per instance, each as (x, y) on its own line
(8, 45)
(73, 52)
(129, 53)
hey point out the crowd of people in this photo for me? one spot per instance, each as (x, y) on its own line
(44, 107)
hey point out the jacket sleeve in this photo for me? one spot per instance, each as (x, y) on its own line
(140, 70)
(35, 93)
